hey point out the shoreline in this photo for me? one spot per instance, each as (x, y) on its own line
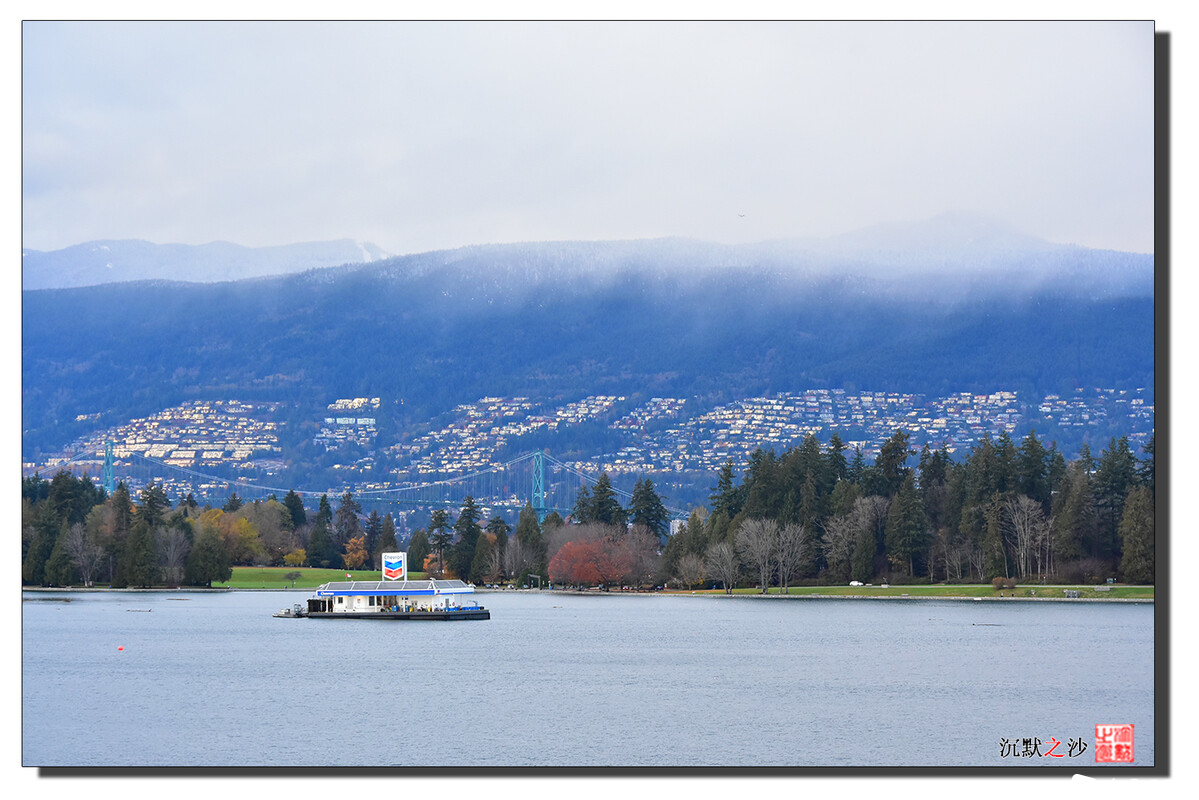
(585, 593)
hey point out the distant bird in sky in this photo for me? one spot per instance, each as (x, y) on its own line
(741, 215)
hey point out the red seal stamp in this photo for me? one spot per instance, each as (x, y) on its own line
(1113, 743)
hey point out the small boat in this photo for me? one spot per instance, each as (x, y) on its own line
(295, 612)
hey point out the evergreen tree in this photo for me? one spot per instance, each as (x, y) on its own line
(1115, 475)
(418, 550)
(872, 482)
(233, 503)
(719, 528)
(1032, 471)
(189, 507)
(933, 464)
(844, 495)
(59, 569)
(761, 485)
(646, 509)
(808, 460)
(467, 528)
(295, 508)
(441, 533)
(605, 508)
(982, 473)
(726, 497)
(345, 522)
(890, 461)
(121, 505)
(907, 534)
(812, 507)
(480, 560)
(139, 560)
(1145, 470)
(528, 532)
(857, 466)
(1074, 526)
(934, 469)
(584, 510)
(1136, 536)
(34, 488)
(153, 505)
(499, 528)
(322, 550)
(46, 527)
(1005, 460)
(864, 552)
(1085, 459)
(836, 464)
(324, 513)
(208, 560)
(373, 532)
(72, 498)
(1055, 471)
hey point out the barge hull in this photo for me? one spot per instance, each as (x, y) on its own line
(474, 613)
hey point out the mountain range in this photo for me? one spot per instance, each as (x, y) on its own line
(118, 260)
(953, 304)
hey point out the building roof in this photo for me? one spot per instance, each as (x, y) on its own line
(347, 588)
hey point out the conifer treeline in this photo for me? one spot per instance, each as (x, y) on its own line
(72, 534)
(1004, 510)
(812, 514)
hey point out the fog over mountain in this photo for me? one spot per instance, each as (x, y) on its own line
(943, 259)
(950, 305)
(118, 260)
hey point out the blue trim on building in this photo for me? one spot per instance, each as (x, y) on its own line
(379, 592)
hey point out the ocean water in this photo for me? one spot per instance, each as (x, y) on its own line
(213, 680)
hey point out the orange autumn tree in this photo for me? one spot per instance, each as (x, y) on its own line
(433, 566)
(356, 554)
(597, 561)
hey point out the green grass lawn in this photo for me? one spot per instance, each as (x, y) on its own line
(958, 590)
(310, 578)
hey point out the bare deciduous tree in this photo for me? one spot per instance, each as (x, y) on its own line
(755, 542)
(173, 548)
(837, 544)
(792, 546)
(950, 552)
(517, 557)
(977, 559)
(871, 512)
(494, 570)
(1026, 527)
(640, 547)
(722, 565)
(83, 552)
(690, 569)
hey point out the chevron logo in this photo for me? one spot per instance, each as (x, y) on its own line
(393, 566)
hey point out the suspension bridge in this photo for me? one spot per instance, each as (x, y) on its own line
(535, 478)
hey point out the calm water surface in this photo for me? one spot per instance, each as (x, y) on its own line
(214, 680)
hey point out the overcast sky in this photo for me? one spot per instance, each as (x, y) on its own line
(420, 136)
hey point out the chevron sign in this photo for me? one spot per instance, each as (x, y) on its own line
(394, 566)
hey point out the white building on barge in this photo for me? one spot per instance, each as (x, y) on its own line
(395, 597)
(429, 599)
